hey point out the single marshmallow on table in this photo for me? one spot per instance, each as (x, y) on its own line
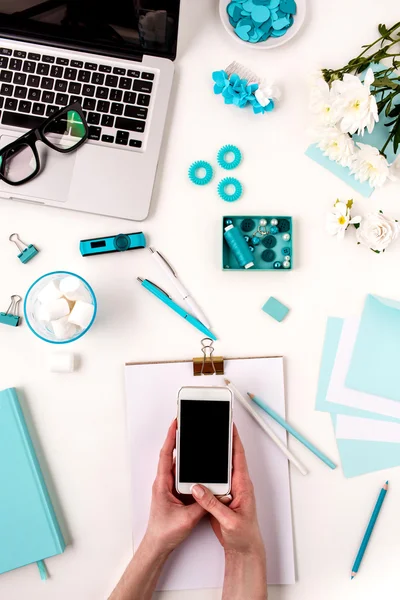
(63, 330)
(81, 314)
(49, 293)
(71, 288)
(55, 310)
(61, 362)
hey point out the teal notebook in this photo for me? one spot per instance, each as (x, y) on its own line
(29, 531)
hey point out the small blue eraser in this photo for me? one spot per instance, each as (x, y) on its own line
(27, 254)
(275, 309)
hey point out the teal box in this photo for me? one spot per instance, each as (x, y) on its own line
(271, 244)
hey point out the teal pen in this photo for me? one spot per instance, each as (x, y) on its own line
(369, 530)
(163, 296)
(274, 415)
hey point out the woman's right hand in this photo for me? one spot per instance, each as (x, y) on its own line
(236, 525)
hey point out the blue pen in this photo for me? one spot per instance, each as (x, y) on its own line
(163, 296)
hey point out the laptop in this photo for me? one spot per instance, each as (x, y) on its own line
(116, 59)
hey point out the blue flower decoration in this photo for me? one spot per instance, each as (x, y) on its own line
(238, 92)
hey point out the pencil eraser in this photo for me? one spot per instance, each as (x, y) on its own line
(71, 288)
(81, 314)
(50, 292)
(63, 330)
(55, 310)
(275, 309)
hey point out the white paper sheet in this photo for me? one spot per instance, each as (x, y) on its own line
(370, 430)
(151, 405)
(338, 393)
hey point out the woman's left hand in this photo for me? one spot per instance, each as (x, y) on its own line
(171, 521)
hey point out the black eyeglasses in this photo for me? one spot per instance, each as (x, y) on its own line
(65, 131)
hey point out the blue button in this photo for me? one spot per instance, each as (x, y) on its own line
(247, 225)
(268, 255)
(269, 241)
(284, 225)
(286, 251)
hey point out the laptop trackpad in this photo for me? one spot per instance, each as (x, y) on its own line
(53, 181)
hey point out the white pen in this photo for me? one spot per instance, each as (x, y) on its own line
(164, 264)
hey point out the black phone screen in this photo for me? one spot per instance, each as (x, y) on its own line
(204, 441)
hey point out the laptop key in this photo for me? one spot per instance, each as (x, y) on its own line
(117, 109)
(105, 68)
(3, 62)
(149, 76)
(133, 73)
(56, 71)
(119, 71)
(74, 87)
(91, 66)
(15, 64)
(6, 89)
(62, 99)
(47, 83)
(125, 83)
(70, 73)
(143, 100)
(88, 90)
(130, 124)
(84, 76)
(142, 86)
(93, 118)
(11, 104)
(102, 92)
(51, 110)
(24, 106)
(20, 92)
(47, 59)
(33, 81)
(112, 80)
(42, 69)
(38, 109)
(107, 138)
(17, 120)
(136, 112)
(19, 53)
(77, 64)
(135, 143)
(94, 133)
(77, 99)
(48, 97)
(122, 138)
(107, 121)
(6, 76)
(98, 78)
(5, 51)
(89, 103)
(130, 97)
(60, 86)
(33, 56)
(29, 66)
(103, 106)
(62, 61)
(1, 102)
(34, 94)
(116, 95)
(19, 78)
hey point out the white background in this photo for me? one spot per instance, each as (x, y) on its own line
(80, 418)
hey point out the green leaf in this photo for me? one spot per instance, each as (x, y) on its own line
(376, 251)
(395, 112)
(356, 225)
(383, 30)
(385, 82)
(349, 204)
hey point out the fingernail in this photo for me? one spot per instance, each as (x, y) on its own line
(197, 491)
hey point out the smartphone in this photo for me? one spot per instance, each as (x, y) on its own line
(204, 439)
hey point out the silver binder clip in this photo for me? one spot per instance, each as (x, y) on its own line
(208, 364)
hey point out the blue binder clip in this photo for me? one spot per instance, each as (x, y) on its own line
(10, 317)
(26, 253)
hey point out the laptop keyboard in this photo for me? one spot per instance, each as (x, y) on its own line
(115, 100)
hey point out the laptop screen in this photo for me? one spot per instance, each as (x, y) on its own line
(127, 28)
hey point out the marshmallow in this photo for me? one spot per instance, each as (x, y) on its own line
(61, 362)
(81, 314)
(49, 293)
(55, 310)
(71, 288)
(63, 330)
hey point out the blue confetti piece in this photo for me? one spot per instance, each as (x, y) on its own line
(273, 4)
(266, 27)
(248, 5)
(260, 14)
(278, 32)
(281, 23)
(243, 32)
(288, 6)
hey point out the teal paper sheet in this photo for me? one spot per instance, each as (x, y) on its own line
(375, 362)
(29, 531)
(357, 457)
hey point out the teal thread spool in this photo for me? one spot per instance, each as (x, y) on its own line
(238, 246)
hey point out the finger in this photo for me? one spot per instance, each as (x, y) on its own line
(209, 502)
(239, 456)
(196, 512)
(227, 499)
(165, 462)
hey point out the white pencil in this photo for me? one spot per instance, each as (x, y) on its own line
(268, 430)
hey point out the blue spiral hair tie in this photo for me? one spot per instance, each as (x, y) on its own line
(221, 157)
(196, 166)
(223, 184)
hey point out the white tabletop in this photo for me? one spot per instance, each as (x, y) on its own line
(80, 418)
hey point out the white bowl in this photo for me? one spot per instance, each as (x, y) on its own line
(271, 42)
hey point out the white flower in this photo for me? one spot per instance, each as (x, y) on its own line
(322, 100)
(394, 169)
(338, 221)
(354, 104)
(267, 92)
(336, 145)
(377, 231)
(370, 165)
